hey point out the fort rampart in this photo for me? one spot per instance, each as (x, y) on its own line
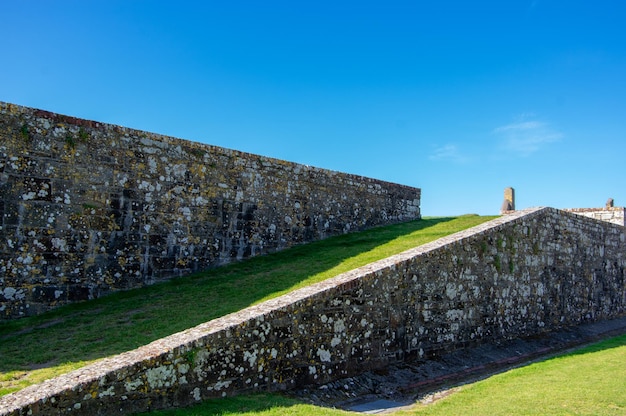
(616, 215)
(87, 207)
(527, 273)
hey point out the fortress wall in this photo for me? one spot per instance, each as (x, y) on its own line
(616, 215)
(87, 207)
(523, 274)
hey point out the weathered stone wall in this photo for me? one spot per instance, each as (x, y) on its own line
(87, 207)
(523, 274)
(615, 215)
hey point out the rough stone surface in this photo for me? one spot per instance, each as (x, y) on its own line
(525, 274)
(508, 204)
(87, 207)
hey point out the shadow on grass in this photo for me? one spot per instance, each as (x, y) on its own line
(126, 320)
(262, 404)
(607, 344)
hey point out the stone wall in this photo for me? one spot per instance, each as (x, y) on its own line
(87, 207)
(523, 274)
(615, 215)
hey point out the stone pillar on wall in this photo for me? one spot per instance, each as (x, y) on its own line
(610, 203)
(509, 201)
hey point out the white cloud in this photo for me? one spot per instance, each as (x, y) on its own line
(449, 153)
(524, 125)
(526, 137)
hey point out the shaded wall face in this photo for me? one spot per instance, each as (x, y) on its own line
(87, 208)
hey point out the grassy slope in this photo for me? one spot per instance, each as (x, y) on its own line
(37, 348)
(589, 381)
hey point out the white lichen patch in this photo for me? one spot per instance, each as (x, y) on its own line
(324, 355)
(108, 392)
(339, 326)
(250, 357)
(451, 290)
(183, 368)
(196, 394)
(9, 293)
(152, 164)
(454, 314)
(159, 377)
(59, 244)
(133, 385)
(220, 385)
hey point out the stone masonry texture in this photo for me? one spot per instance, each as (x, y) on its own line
(616, 215)
(87, 208)
(520, 275)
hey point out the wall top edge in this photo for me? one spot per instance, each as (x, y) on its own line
(609, 209)
(16, 109)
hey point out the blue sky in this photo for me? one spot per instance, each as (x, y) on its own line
(459, 98)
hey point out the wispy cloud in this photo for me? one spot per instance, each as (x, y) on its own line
(524, 125)
(527, 137)
(447, 153)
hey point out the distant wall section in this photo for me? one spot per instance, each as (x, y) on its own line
(615, 215)
(87, 207)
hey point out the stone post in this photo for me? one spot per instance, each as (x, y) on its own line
(508, 204)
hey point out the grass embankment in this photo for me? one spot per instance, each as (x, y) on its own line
(37, 348)
(589, 381)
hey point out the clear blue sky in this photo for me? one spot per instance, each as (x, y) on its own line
(459, 98)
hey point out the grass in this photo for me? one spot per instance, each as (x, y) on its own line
(37, 348)
(588, 381)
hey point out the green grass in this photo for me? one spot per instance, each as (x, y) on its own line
(37, 348)
(589, 381)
